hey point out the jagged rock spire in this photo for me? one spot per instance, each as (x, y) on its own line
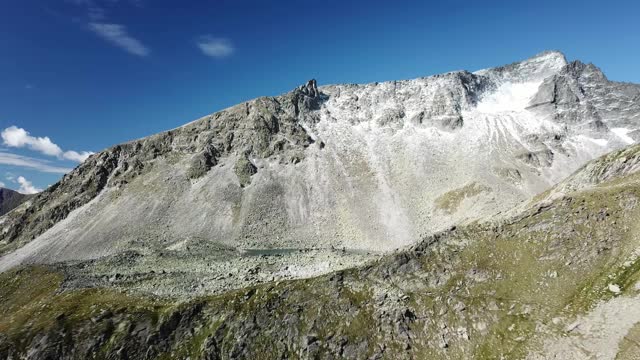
(310, 88)
(306, 97)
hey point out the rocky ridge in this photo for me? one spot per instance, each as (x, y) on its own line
(265, 127)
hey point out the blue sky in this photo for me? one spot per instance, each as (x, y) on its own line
(78, 76)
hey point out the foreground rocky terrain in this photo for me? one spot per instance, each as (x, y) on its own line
(455, 216)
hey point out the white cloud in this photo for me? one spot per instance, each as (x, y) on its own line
(117, 35)
(16, 137)
(215, 47)
(26, 187)
(2, 184)
(32, 163)
(76, 156)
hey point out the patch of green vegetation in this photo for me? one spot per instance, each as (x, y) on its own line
(244, 170)
(173, 157)
(32, 302)
(22, 290)
(507, 339)
(356, 297)
(556, 262)
(613, 236)
(451, 200)
(596, 286)
(541, 196)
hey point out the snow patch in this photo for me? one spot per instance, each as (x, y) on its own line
(601, 142)
(622, 134)
(508, 97)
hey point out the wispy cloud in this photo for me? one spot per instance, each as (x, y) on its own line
(117, 35)
(215, 47)
(26, 187)
(32, 163)
(93, 8)
(96, 20)
(16, 137)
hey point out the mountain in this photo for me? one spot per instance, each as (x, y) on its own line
(361, 168)
(10, 199)
(452, 216)
(555, 280)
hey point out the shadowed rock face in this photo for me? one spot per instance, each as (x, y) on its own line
(318, 170)
(581, 94)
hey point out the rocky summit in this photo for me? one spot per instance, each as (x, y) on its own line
(487, 215)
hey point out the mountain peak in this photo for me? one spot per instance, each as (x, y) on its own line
(579, 69)
(549, 55)
(535, 68)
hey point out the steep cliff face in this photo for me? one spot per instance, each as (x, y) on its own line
(581, 95)
(324, 177)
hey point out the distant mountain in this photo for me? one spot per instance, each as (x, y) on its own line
(10, 199)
